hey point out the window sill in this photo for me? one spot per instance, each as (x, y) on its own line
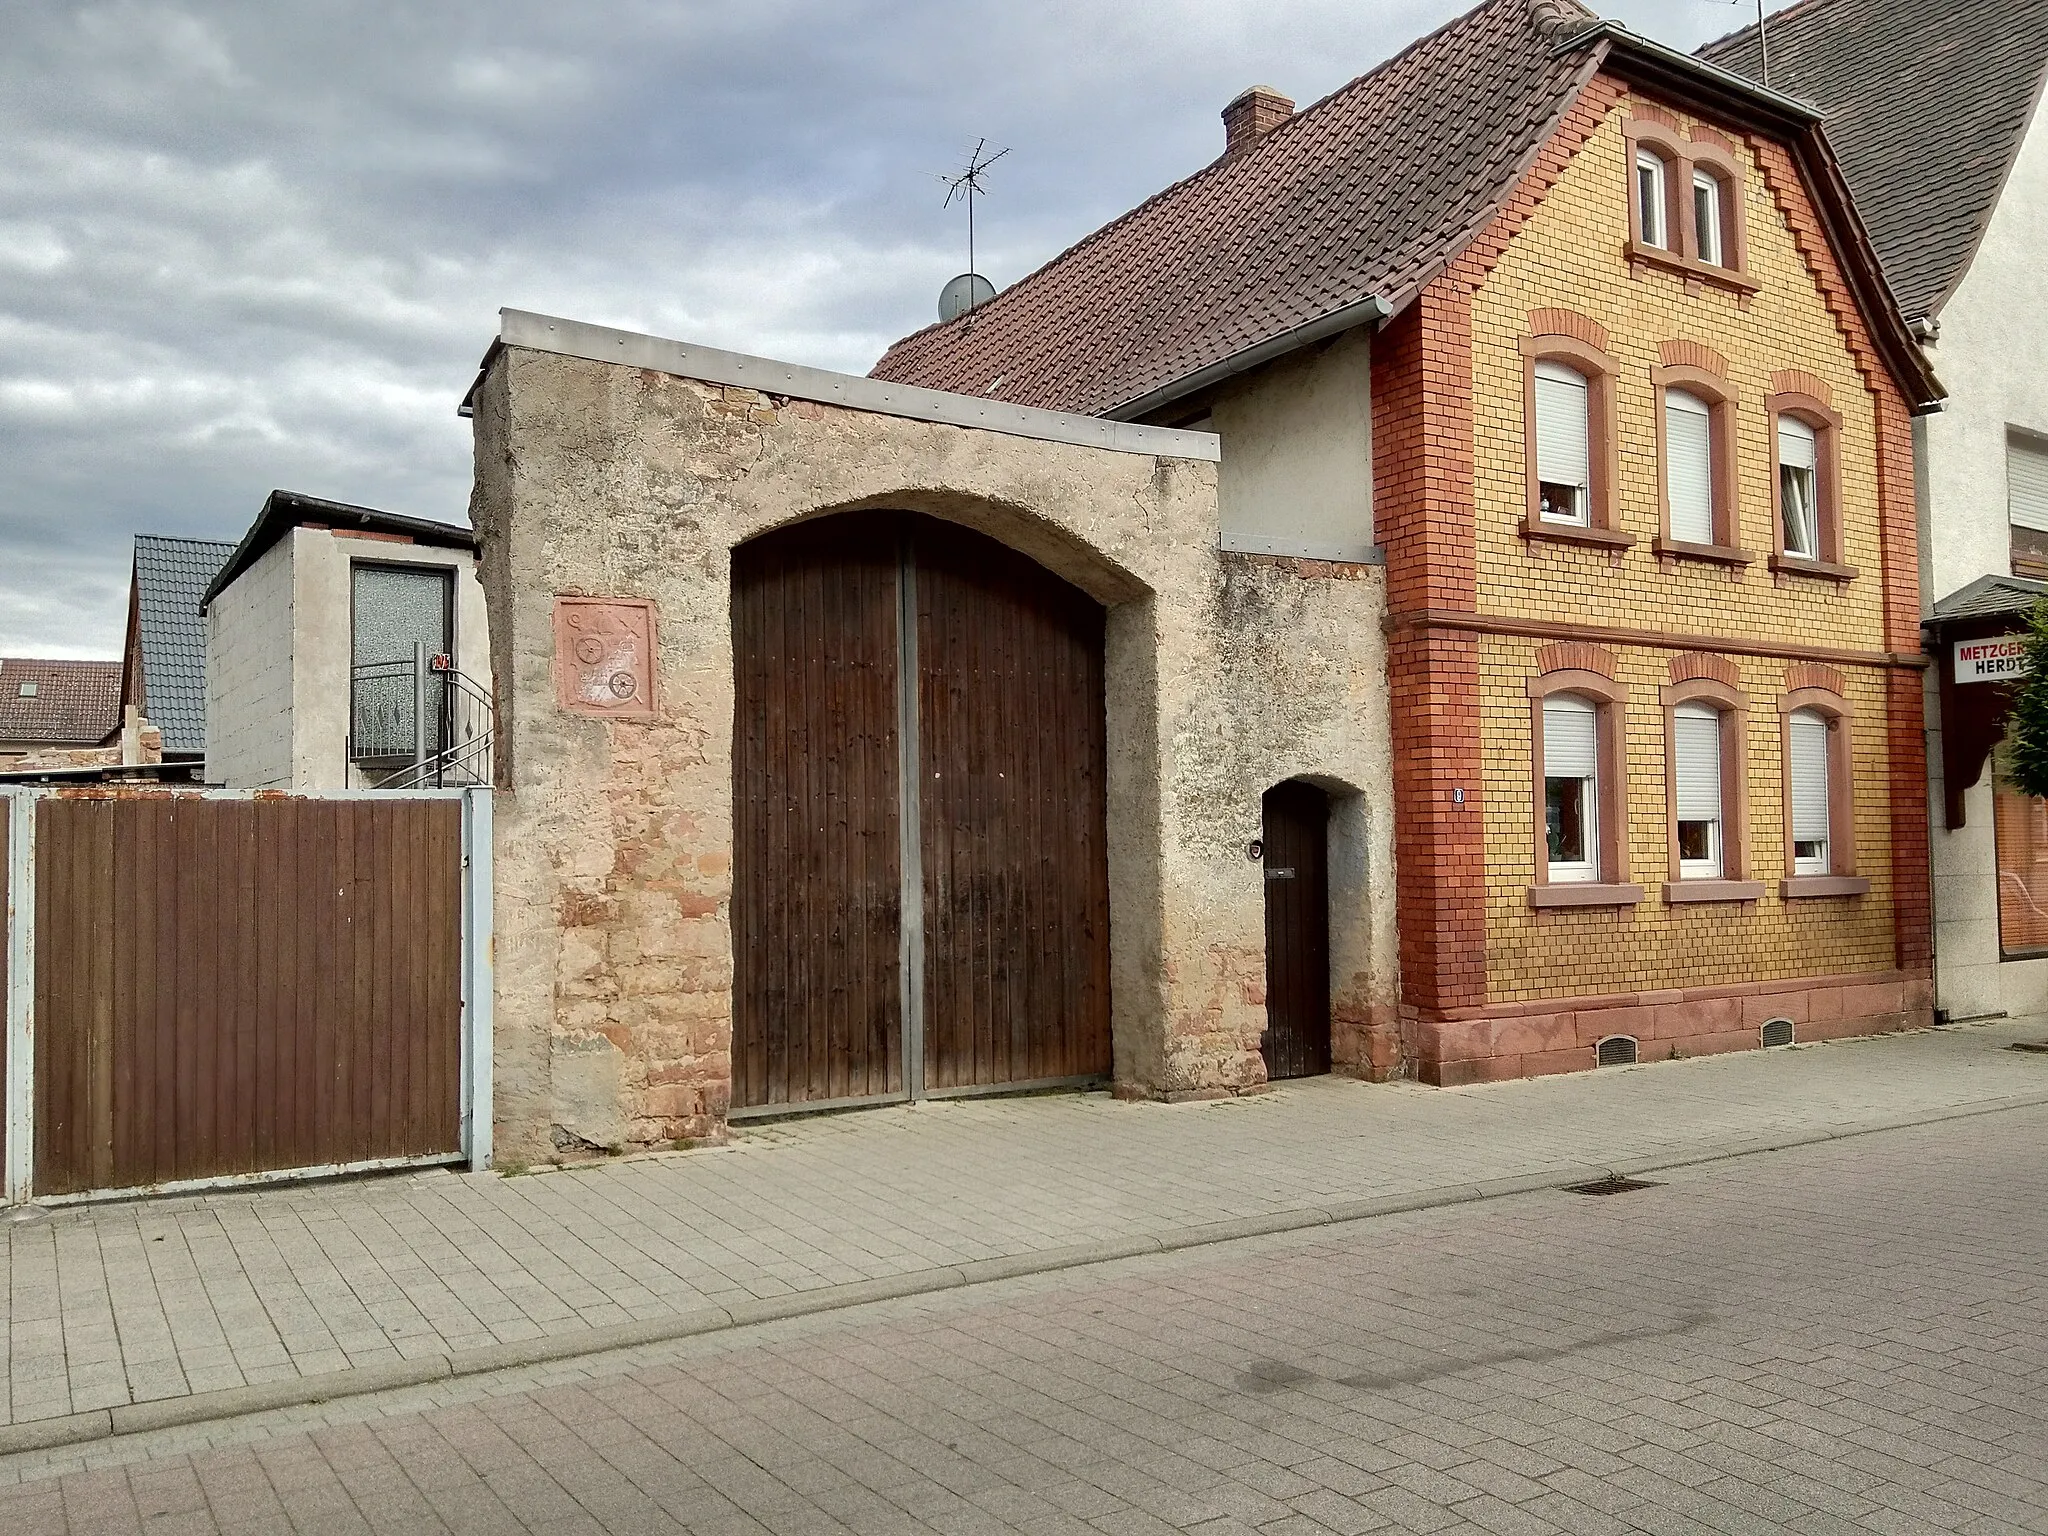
(1719, 554)
(1824, 570)
(1807, 887)
(1588, 894)
(1705, 272)
(1677, 892)
(1575, 533)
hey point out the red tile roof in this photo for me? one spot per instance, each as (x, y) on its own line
(68, 703)
(1366, 193)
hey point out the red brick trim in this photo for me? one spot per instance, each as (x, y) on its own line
(1692, 354)
(1703, 664)
(1664, 640)
(1568, 322)
(1807, 674)
(1576, 656)
(1797, 381)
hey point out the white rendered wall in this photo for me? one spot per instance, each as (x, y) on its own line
(323, 634)
(1296, 477)
(249, 677)
(1994, 337)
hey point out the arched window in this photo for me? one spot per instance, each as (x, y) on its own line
(1564, 444)
(1799, 487)
(1581, 810)
(1689, 466)
(1708, 719)
(1653, 211)
(1569, 433)
(1805, 488)
(1696, 748)
(1820, 821)
(1571, 787)
(1709, 218)
(1809, 812)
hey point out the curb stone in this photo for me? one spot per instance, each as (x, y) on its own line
(355, 1381)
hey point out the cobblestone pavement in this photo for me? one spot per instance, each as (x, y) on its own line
(1841, 1337)
(154, 1300)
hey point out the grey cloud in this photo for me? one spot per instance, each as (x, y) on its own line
(247, 244)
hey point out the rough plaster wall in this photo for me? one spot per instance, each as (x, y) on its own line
(323, 640)
(249, 677)
(1995, 381)
(614, 841)
(1296, 476)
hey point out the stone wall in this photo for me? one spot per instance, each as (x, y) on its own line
(1225, 674)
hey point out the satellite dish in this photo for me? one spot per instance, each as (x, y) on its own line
(970, 290)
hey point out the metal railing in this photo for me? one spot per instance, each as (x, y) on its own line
(419, 724)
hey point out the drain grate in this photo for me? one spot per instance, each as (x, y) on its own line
(1613, 1184)
(2038, 1046)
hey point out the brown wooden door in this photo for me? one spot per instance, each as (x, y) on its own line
(817, 895)
(1297, 870)
(1003, 974)
(1011, 747)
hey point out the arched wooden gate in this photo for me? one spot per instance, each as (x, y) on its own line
(921, 890)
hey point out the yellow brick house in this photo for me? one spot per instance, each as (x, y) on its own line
(1638, 470)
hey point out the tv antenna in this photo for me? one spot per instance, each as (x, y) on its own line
(970, 289)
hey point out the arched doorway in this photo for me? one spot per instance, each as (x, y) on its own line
(1297, 871)
(921, 890)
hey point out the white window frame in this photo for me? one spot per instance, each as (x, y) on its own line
(1652, 205)
(1584, 871)
(1706, 218)
(1565, 375)
(1703, 410)
(1821, 862)
(1714, 864)
(1790, 474)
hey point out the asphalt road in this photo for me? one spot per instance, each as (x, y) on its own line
(1848, 1337)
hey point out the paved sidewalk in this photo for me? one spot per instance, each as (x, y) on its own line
(405, 1279)
(1837, 1339)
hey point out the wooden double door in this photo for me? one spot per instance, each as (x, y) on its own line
(921, 890)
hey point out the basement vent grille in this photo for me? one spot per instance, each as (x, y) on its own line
(1617, 1051)
(1777, 1032)
(1613, 1184)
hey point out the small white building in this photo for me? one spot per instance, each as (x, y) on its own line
(1933, 110)
(346, 648)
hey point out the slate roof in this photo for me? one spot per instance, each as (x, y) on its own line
(1926, 106)
(1363, 194)
(1989, 595)
(70, 703)
(171, 576)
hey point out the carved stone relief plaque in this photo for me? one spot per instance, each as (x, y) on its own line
(604, 657)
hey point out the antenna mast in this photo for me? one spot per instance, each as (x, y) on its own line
(1763, 44)
(967, 184)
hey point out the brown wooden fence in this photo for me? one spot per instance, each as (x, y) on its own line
(231, 986)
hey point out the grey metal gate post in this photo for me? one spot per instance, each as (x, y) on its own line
(479, 980)
(20, 808)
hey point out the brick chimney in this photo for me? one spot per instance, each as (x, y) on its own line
(1252, 115)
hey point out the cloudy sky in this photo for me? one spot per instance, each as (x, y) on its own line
(257, 243)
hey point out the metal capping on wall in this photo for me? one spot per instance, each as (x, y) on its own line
(602, 344)
(477, 982)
